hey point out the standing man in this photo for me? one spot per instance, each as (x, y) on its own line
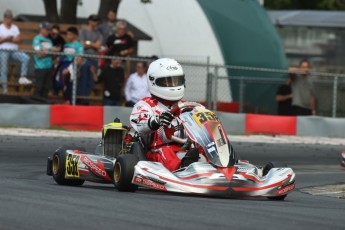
(108, 27)
(136, 86)
(113, 77)
(72, 47)
(56, 37)
(91, 40)
(303, 94)
(43, 61)
(9, 40)
(284, 97)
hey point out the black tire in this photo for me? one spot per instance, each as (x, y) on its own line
(277, 197)
(124, 171)
(59, 166)
(267, 168)
(138, 151)
(271, 165)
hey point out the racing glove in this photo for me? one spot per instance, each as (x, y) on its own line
(164, 119)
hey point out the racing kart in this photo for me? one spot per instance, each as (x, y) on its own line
(217, 172)
(342, 163)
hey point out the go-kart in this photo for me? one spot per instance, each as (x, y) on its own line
(342, 163)
(217, 172)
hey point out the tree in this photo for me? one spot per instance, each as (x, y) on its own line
(50, 7)
(68, 11)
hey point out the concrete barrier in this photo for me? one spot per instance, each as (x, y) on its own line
(93, 117)
(234, 123)
(112, 112)
(321, 127)
(28, 116)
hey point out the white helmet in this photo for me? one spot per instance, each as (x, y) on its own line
(165, 79)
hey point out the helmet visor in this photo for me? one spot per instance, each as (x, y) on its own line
(170, 81)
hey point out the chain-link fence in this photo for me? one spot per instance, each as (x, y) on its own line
(244, 89)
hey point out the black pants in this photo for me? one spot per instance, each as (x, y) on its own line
(42, 82)
(300, 111)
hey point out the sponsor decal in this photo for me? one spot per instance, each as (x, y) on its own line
(203, 116)
(243, 169)
(220, 142)
(149, 183)
(211, 147)
(72, 162)
(98, 168)
(172, 68)
(285, 189)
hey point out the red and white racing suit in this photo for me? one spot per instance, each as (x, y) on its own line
(161, 148)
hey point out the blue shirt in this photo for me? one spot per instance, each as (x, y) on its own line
(72, 48)
(38, 43)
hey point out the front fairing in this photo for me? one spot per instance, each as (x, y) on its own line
(204, 128)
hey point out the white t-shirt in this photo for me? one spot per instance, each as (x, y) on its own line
(136, 88)
(5, 32)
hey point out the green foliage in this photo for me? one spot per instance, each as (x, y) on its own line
(305, 4)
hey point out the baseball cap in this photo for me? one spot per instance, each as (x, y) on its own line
(45, 25)
(93, 17)
(8, 14)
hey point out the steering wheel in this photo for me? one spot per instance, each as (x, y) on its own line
(175, 109)
(184, 105)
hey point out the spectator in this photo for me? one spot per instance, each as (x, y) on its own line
(113, 77)
(108, 27)
(9, 39)
(91, 40)
(56, 38)
(284, 97)
(71, 47)
(43, 61)
(120, 42)
(136, 86)
(303, 96)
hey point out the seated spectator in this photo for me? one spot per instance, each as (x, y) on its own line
(284, 97)
(9, 39)
(56, 38)
(108, 27)
(136, 85)
(63, 80)
(113, 77)
(43, 61)
(91, 40)
(120, 42)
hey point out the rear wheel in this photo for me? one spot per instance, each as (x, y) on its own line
(59, 166)
(267, 168)
(124, 171)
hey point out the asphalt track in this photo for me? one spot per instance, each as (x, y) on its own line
(31, 200)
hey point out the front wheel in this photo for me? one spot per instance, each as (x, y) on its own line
(267, 168)
(277, 197)
(124, 171)
(59, 167)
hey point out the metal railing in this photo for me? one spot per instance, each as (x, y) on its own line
(252, 88)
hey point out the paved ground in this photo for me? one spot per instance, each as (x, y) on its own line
(31, 200)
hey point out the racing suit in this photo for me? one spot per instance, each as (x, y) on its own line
(161, 148)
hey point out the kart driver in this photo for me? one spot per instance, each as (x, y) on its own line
(151, 118)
